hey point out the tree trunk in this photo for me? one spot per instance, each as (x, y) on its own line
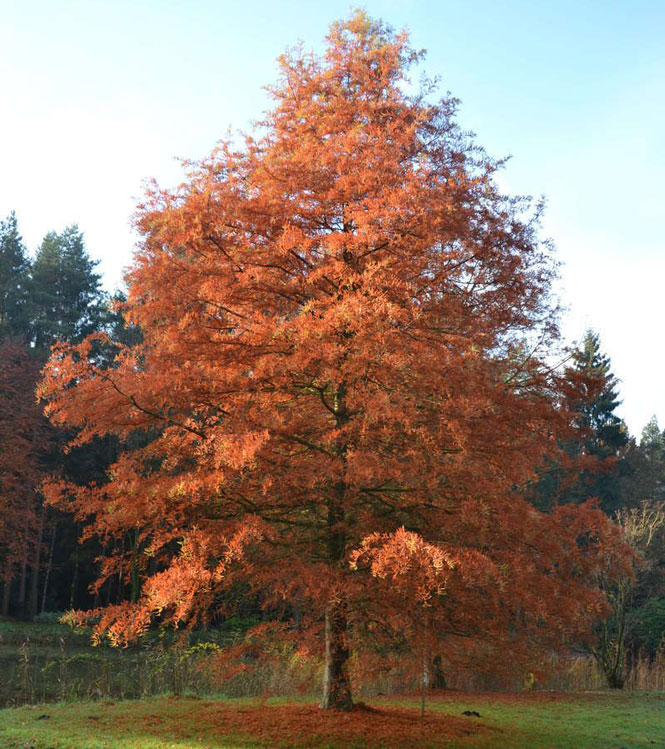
(615, 681)
(336, 683)
(7, 591)
(24, 571)
(49, 566)
(424, 682)
(73, 593)
(135, 577)
(33, 600)
(611, 650)
(438, 674)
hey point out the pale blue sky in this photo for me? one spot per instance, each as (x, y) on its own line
(98, 95)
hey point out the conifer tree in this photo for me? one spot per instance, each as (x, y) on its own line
(14, 281)
(602, 434)
(26, 438)
(646, 481)
(68, 300)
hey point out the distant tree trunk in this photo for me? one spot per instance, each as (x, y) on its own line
(438, 674)
(7, 590)
(610, 651)
(135, 578)
(24, 569)
(120, 593)
(424, 683)
(106, 590)
(336, 683)
(49, 565)
(615, 681)
(109, 591)
(75, 580)
(33, 601)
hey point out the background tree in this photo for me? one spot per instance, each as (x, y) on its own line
(604, 435)
(14, 281)
(644, 485)
(593, 462)
(57, 296)
(68, 299)
(642, 528)
(25, 436)
(26, 439)
(646, 480)
(329, 314)
(69, 303)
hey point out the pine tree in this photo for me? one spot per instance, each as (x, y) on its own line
(69, 302)
(14, 280)
(603, 435)
(646, 481)
(652, 440)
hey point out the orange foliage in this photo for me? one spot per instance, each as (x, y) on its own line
(345, 331)
(303, 725)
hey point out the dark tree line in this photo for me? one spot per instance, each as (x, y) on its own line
(627, 477)
(56, 295)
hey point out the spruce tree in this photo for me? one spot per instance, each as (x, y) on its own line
(69, 302)
(647, 460)
(603, 434)
(14, 280)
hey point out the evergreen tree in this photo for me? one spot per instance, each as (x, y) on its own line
(67, 303)
(68, 300)
(14, 279)
(603, 434)
(646, 481)
(652, 440)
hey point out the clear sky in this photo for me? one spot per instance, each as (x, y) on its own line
(98, 95)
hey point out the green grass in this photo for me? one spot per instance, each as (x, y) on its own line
(14, 633)
(511, 721)
(565, 721)
(145, 724)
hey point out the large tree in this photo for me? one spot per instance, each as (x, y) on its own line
(344, 328)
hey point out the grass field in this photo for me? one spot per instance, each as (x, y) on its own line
(511, 721)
